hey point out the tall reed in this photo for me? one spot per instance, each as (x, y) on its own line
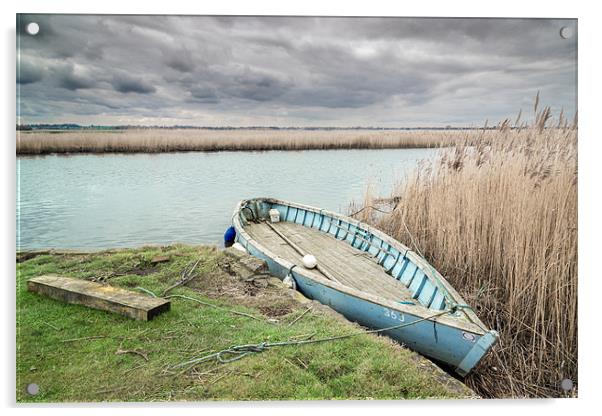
(181, 140)
(499, 220)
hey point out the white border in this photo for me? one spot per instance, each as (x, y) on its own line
(590, 150)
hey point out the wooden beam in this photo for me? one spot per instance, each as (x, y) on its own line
(98, 296)
(159, 259)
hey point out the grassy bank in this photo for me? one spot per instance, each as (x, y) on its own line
(78, 354)
(499, 220)
(163, 140)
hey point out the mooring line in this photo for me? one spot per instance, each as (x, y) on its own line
(238, 352)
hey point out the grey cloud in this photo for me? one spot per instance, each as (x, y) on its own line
(286, 70)
(69, 80)
(28, 74)
(180, 62)
(73, 82)
(127, 83)
(204, 94)
(256, 86)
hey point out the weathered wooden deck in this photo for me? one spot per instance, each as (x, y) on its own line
(350, 266)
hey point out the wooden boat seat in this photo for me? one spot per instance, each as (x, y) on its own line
(350, 266)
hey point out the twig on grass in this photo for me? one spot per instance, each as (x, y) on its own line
(129, 370)
(84, 338)
(52, 326)
(203, 303)
(185, 277)
(300, 316)
(137, 352)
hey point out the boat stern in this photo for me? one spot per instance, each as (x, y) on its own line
(477, 352)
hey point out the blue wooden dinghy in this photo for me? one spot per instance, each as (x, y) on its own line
(367, 276)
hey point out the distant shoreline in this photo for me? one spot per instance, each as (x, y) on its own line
(43, 142)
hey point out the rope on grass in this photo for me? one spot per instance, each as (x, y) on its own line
(237, 352)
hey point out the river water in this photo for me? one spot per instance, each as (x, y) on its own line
(128, 200)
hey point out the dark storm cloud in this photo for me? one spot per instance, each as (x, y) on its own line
(68, 79)
(253, 85)
(127, 83)
(28, 73)
(73, 82)
(204, 94)
(291, 71)
(180, 60)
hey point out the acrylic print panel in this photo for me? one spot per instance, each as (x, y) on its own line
(295, 208)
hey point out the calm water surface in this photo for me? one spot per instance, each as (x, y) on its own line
(116, 200)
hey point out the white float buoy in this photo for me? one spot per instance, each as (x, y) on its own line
(309, 261)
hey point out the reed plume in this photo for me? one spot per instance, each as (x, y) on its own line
(498, 218)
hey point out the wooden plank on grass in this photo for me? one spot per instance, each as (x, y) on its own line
(95, 295)
(159, 259)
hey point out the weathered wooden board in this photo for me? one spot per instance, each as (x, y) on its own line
(159, 259)
(98, 296)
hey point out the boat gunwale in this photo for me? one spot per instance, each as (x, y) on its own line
(476, 326)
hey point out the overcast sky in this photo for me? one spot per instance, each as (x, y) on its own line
(303, 71)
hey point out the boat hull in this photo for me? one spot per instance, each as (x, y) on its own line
(450, 344)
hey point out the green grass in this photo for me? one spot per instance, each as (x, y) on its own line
(71, 352)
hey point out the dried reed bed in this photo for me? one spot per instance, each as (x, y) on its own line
(499, 220)
(182, 140)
